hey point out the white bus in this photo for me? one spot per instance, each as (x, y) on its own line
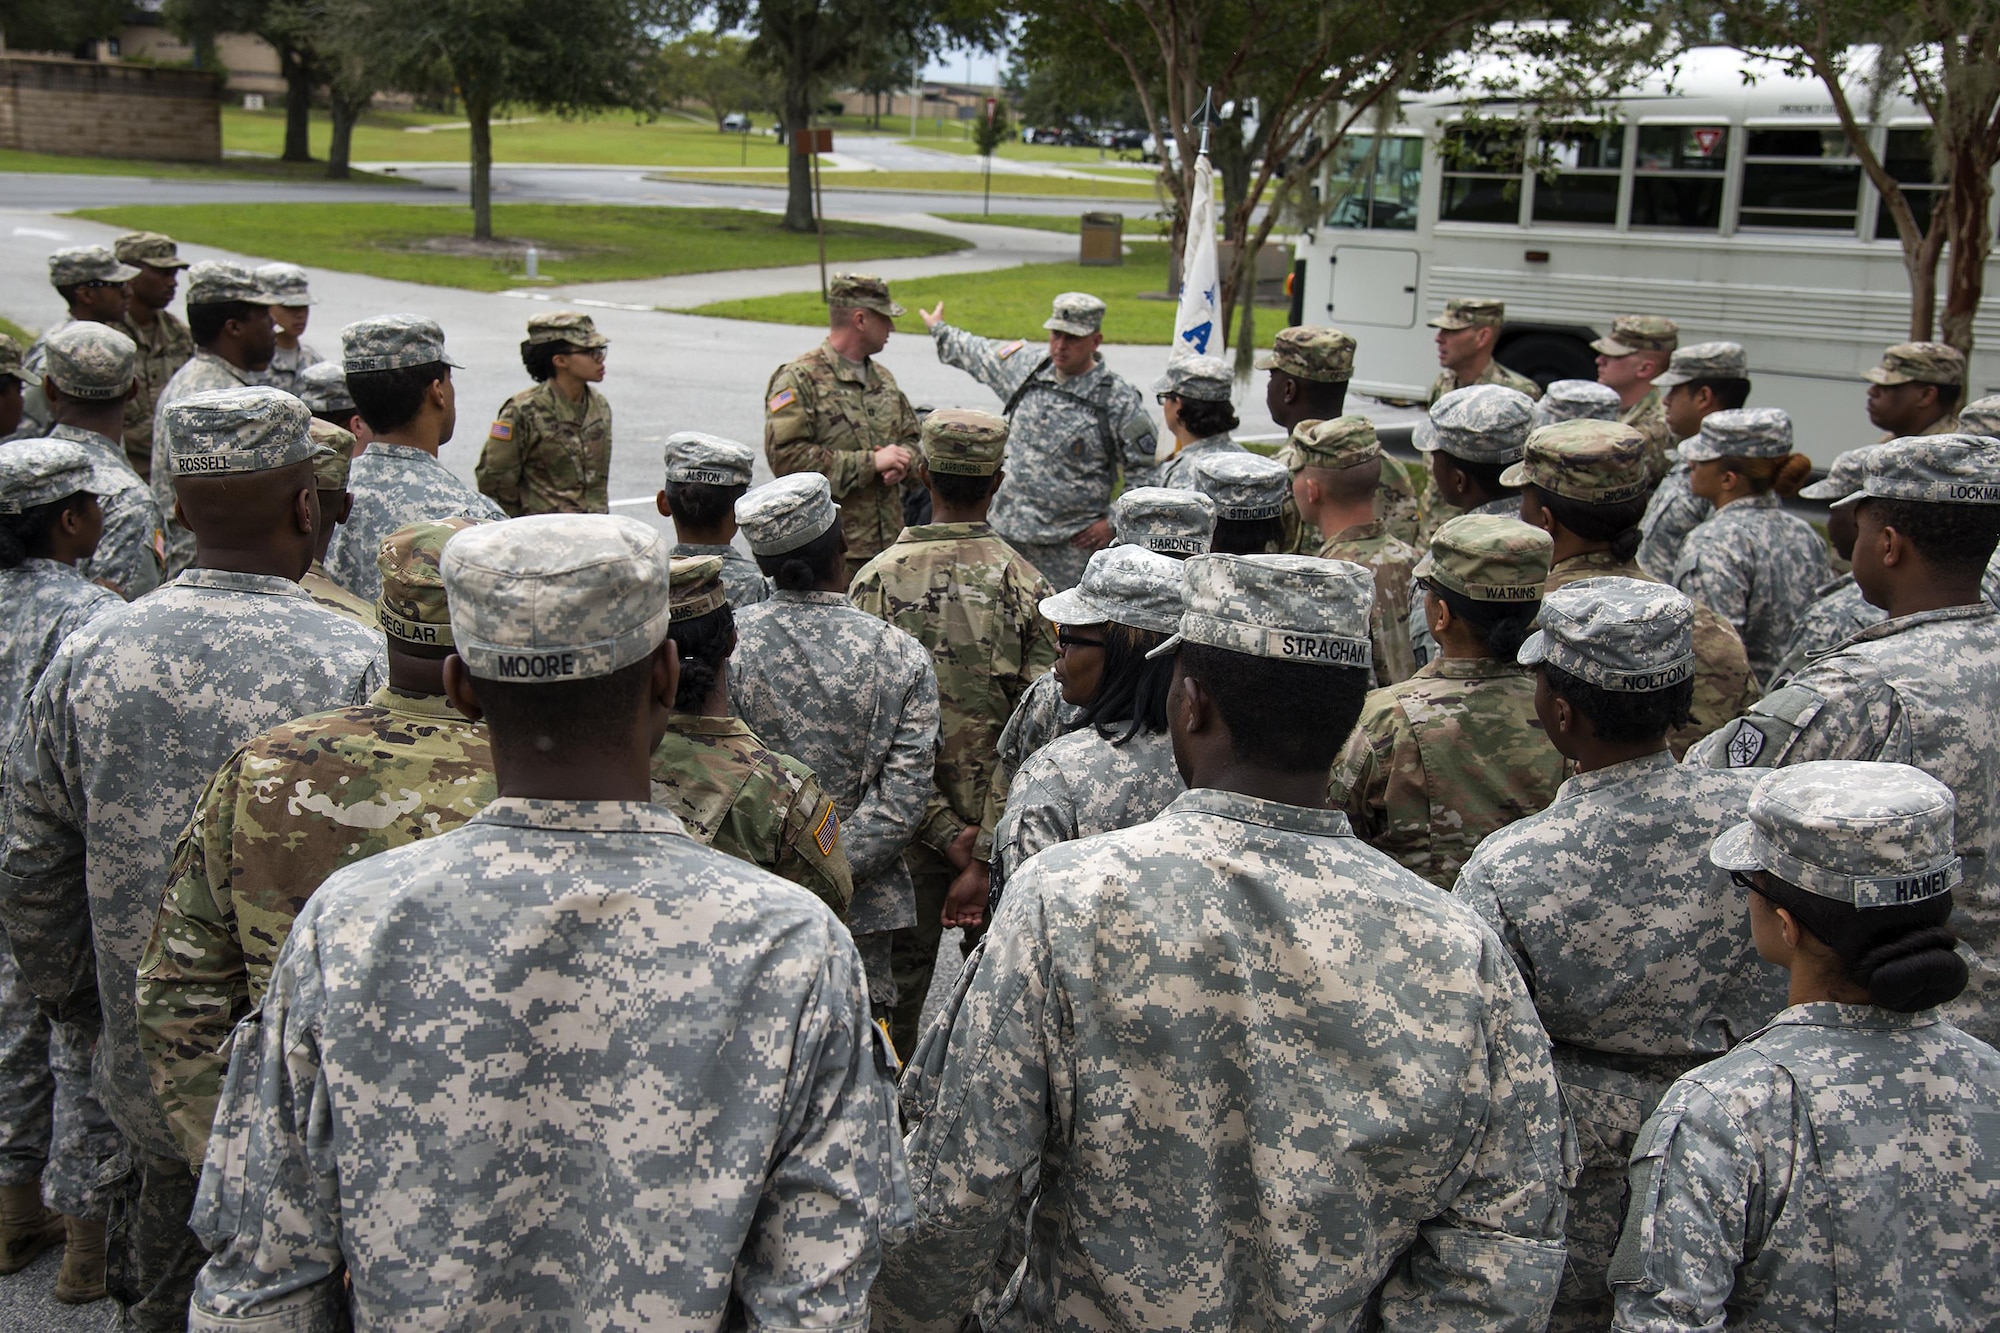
(1735, 209)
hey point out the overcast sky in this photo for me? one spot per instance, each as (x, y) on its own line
(952, 68)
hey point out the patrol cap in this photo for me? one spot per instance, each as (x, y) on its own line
(333, 454)
(10, 363)
(75, 265)
(43, 471)
(566, 326)
(244, 428)
(785, 514)
(863, 291)
(1471, 313)
(1311, 352)
(708, 460)
(1615, 633)
(1743, 432)
(964, 442)
(1290, 608)
(1077, 313)
(1481, 423)
(1865, 834)
(1932, 469)
(286, 283)
(1244, 486)
(1127, 584)
(1639, 333)
(1341, 442)
(391, 342)
(554, 597)
(212, 282)
(1164, 519)
(149, 248)
(1704, 361)
(1981, 416)
(1591, 461)
(1488, 558)
(90, 361)
(1577, 400)
(1206, 379)
(695, 586)
(323, 387)
(1918, 363)
(1843, 479)
(413, 606)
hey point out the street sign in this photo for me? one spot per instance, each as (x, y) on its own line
(813, 141)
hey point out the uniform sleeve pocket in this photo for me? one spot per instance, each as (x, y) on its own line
(1643, 1180)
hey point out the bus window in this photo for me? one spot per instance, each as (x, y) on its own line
(1586, 160)
(1909, 160)
(1482, 176)
(1800, 180)
(1378, 195)
(1679, 178)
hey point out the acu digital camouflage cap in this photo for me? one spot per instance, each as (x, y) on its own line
(1481, 423)
(708, 460)
(413, 605)
(1076, 313)
(78, 264)
(785, 514)
(323, 387)
(212, 282)
(1127, 584)
(1341, 442)
(1311, 352)
(1595, 462)
(149, 248)
(333, 456)
(1170, 521)
(1577, 400)
(1932, 469)
(1918, 363)
(554, 597)
(40, 472)
(286, 283)
(249, 428)
(1981, 416)
(964, 442)
(1743, 432)
(10, 362)
(1471, 313)
(1639, 333)
(1488, 558)
(90, 361)
(1617, 634)
(695, 586)
(1844, 478)
(1865, 834)
(862, 291)
(566, 326)
(1291, 608)
(1206, 379)
(1244, 486)
(1704, 361)
(392, 342)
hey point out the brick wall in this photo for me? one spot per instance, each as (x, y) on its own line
(57, 105)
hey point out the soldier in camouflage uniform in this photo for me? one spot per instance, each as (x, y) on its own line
(1152, 1084)
(1310, 368)
(666, 1058)
(1700, 380)
(1076, 425)
(88, 371)
(706, 476)
(1752, 562)
(549, 449)
(1916, 390)
(1576, 400)
(1630, 360)
(1194, 396)
(290, 312)
(853, 699)
(14, 381)
(1982, 417)
(1457, 751)
(1919, 687)
(323, 388)
(1838, 609)
(1585, 485)
(837, 411)
(1629, 940)
(400, 377)
(1467, 332)
(1336, 467)
(162, 338)
(1252, 494)
(731, 792)
(91, 282)
(1835, 1169)
(970, 599)
(333, 459)
(287, 809)
(133, 714)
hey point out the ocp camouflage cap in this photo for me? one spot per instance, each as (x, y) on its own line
(1126, 584)
(1577, 400)
(149, 248)
(1981, 416)
(1340, 442)
(286, 283)
(1311, 352)
(863, 291)
(1591, 461)
(695, 586)
(566, 326)
(1076, 313)
(1844, 478)
(90, 361)
(1290, 608)
(1742, 432)
(1244, 486)
(1639, 333)
(212, 282)
(1206, 379)
(333, 456)
(1932, 469)
(1618, 634)
(555, 597)
(1704, 361)
(10, 363)
(1165, 519)
(1488, 558)
(77, 264)
(413, 606)
(392, 342)
(785, 514)
(964, 442)
(1918, 363)
(708, 460)
(323, 387)
(1481, 423)
(1866, 834)
(42, 471)
(245, 428)
(1471, 313)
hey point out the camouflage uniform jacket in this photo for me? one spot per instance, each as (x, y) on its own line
(290, 807)
(46, 601)
(752, 803)
(1758, 566)
(1918, 690)
(1375, 549)
(1396, 501)
(1070, 437)
(1648, 416)
(1673, 512)
(132, 553)
(1377, 1141)
(970, 599)
(1838, 612)
(1724, 685)
(1424, 648)
(855, 701)
(823, 415)
(1989, 583)
(611, 1078)
(319, 585)
(547, 455)
(163, 350)
(1040, 717)
(202, 372)
(35, 413)
(1443, 759)
(1081, 784)
(1834, 1171)
(134, 713)
(741, 579)
(1178, 471)
(394, 485)
(1433, 511)
(1495, 373)
(287, 364)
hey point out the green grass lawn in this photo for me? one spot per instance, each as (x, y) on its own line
(1068, 224)
(229, 169)
(931, 182)
(17, 333)
(578, 243)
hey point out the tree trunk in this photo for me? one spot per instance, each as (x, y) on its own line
(296, 66)
(1968, 207)
(347, 109)
(479, 111)
(798, 179)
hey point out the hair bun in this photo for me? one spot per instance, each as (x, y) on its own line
(1792, 474)
(1917, 971)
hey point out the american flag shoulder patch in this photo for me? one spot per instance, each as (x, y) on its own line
(1011, 348)
(502, 430)
(780, 401)
(826, 834)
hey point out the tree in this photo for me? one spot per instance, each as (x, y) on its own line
(1055, 88)
(57, 25)
(714, 70)
(289, 26)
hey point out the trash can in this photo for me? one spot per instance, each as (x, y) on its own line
(1103, 240)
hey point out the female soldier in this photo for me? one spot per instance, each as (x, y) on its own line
(549, 451)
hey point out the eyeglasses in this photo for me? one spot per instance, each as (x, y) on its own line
(1161, 398)
(1064, 639)
(1742, 880)
(99, 282)
(594, 353)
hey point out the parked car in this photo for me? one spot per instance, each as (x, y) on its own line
(736, 123)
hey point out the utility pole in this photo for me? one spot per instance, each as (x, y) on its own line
(916, 90)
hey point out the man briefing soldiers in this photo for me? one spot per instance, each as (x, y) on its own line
(91, 281)
(161, 337)
(1630, 359)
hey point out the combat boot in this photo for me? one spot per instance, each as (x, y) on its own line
(81, 1280)
(26, 1228)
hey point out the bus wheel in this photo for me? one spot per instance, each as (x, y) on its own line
(1548, 357)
